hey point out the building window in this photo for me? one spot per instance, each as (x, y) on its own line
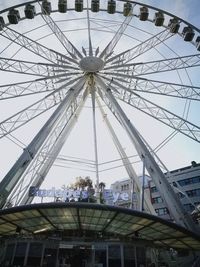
(181, 195)
(154, 189)
(157, 200)
(189, 207)
(193, 193)
(125, 187)
(162, 211)
(188, 181)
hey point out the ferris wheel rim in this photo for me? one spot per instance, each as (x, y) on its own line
(125, 1)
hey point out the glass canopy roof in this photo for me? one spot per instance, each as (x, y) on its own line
(112, 221)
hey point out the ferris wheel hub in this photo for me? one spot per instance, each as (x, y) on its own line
(91, 64)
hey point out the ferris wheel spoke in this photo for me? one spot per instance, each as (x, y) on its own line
(27, 114)
(151, 67)
(76, 75)
(89, 32)
(27, 67)
(37, 86)
(34, 110)
(26, 88)
(65, 68)
(41, 85)
(110, 47)
(161, 114)
(33, 46)
(156, 87)
(140, 49)
(70, 48)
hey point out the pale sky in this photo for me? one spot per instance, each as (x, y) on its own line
(179, 152)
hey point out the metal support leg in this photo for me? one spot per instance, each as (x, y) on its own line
(143, 184)
(173, 202)
(95, 146)
(135, 256)
(18, 169)
(55, 147)
(127, 164)
(122, 254)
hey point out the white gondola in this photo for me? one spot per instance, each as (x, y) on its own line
(159, 19)
(62, 6)
(95, 6)
(127, 9)
(29, 11)
(79, 5)
(46, 7)
(2, 23)
(197, 42)
(111, 7)
(188, 34)
(13, 16)
(144, 13)
(174, 25)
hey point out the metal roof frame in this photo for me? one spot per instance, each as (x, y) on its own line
(124, 224)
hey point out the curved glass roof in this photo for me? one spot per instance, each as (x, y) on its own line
(122, 223)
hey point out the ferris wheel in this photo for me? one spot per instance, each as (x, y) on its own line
(56, 54)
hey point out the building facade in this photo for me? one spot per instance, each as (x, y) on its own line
(185, 182)
(128, 187)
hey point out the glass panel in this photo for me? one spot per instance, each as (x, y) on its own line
(100, 257)
(114, 256)
(129, 256)
(20, 254)
(35, 254)
(135, 227)
(21, 215)
(27, 223)
(50, 257)
(6, 227)
(75, 256)
(31, 222)
(66, 226)
(124, 217)
(141, 256)
(9, 254)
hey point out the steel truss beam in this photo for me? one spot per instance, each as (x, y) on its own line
(71, 49)
(34, 110)
(111, 45)
(173, 202)
(40, 85)
(31, 68)
(155, 87)
(127, 164)
(34, 47)
(40, 166)
(150, 67)
(143, 47)
(161, 114)
(16, 172)
(27, 88)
